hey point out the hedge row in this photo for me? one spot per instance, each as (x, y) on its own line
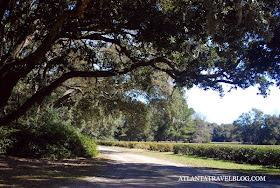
(251, 154)
(152, 146)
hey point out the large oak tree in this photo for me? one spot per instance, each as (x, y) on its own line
(202, 42)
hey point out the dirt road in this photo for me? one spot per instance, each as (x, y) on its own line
(132, 170)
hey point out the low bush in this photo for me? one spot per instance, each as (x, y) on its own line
(59, 141)
(152, 146)
(252, 154)
(5, 140)
(105, 143)
(51, 138)
(165, 147)
(162, 147)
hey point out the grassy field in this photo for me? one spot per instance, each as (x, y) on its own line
(206, 162)
(44, 173)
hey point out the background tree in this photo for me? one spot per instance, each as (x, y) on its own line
(271, 130)
(253, 127)
(204, 131)
(250, 125)
(257, 128)
(180, 117)
(160, 120)
(223, 133)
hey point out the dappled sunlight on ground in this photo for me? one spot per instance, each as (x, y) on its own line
(19, 172)
(111, 169)
(131, 170)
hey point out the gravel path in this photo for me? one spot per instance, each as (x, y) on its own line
(132, 170)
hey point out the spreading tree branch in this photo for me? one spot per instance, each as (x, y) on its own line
(12, 72)
(39, 96)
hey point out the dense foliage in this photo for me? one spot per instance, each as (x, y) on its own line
(50, 138)
(165, 117)
(204, 43)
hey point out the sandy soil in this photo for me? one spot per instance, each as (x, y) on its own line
(132, 170)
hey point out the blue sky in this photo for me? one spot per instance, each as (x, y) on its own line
(228, 108)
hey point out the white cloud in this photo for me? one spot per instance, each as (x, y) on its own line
(233, 104)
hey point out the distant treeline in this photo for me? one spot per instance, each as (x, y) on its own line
(253, 127)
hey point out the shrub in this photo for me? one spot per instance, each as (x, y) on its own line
(130, 145)
(153, 147)
(261, 155)
(59, 141)
(162, 147)
(105, 143)
(51, 138)
(89, 146)
(166, 147)
(5, 140)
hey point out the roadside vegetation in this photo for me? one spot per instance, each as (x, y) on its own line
(45, 136)
(204, 162)
(250, 154)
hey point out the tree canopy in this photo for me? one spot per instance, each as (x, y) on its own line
(203, 42)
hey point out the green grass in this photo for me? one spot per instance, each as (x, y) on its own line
(207, 162)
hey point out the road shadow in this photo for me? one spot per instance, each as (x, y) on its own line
(118, 174)
(22, 172)
(152, 175)
(81, 172)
